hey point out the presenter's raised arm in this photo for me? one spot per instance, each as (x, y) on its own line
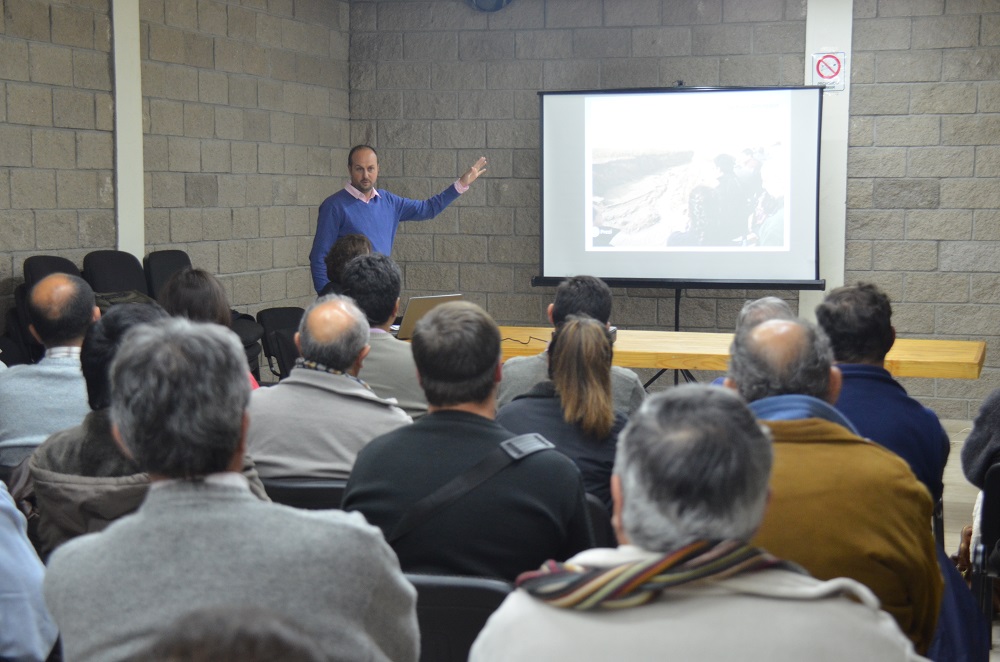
(472, 174)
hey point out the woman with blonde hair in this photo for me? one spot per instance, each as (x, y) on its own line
(574, 409)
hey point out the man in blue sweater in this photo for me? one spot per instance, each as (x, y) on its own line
(361, 208)
(858, 320)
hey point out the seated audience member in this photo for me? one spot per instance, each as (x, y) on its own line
(82, 479)
(528, 510)
(201, 539)
(756, 311)
(690, 488)
(374, 281)
(343, 251)
(37, 400)
(314, 422)
(27, 632)
(197, 295)
(841, 506)
(579, 295)
(763, 309)
(981, 449)
(233, 635)
(858, 321)
(575, 409)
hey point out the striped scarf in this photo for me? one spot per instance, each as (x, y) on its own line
(571, 586)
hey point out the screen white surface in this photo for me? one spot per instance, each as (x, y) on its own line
(690, 185)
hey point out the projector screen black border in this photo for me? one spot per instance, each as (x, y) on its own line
(681, 284)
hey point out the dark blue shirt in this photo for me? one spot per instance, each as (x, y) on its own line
(882, 411)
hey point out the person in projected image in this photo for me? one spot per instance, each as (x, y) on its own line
(748, 172)
(727, 225)
(767, 227)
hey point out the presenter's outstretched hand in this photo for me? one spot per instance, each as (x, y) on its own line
(472, 174)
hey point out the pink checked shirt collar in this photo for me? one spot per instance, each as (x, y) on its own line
(355, 193)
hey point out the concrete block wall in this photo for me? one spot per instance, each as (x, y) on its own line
(923, 179)
(245, 122)
(436, 84)
(56, 144)
(245, 114)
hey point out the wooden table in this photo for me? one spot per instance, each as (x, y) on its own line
(948, 359)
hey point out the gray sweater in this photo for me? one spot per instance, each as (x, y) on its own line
(38, 400)
(520, 373)
(199, 545)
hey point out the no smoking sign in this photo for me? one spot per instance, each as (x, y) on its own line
(829, 70)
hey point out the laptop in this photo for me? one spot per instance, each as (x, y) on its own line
(416, 308)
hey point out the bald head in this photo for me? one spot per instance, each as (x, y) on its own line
(334, 333)
(781, 357)
(61, 308)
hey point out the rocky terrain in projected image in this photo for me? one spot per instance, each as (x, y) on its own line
(641, 196)
(664, 200)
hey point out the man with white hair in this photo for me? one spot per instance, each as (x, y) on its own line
(179, 398)
(690, 489)
(313, 423)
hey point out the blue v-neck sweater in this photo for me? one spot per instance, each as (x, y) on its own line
(377, 219)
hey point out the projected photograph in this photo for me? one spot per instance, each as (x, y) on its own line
(704, 182)
(714, 186)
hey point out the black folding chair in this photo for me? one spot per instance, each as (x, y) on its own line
(600, 522)
(308, 493)
(17, 330)
(985, 557)
(451, 612)
(114, 271)
(160, 266)
(280, 324)
(38, 267)
(10, 352)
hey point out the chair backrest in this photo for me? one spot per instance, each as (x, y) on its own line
(308, 493)
(114, 271)
(600, 522)
(160, 266)
(275, 320)
(38, 267)
(288, 353)
(18, 319)
(451, 612)
(937, 522)
(10, 351)
(989, 515)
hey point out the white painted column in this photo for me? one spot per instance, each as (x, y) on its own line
(127, 94)
(829, 25)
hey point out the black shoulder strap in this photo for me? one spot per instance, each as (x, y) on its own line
(497, 460)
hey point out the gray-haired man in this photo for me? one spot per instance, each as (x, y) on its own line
(178, 404)
(314, 422)
(841, 505)
(690, 489)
